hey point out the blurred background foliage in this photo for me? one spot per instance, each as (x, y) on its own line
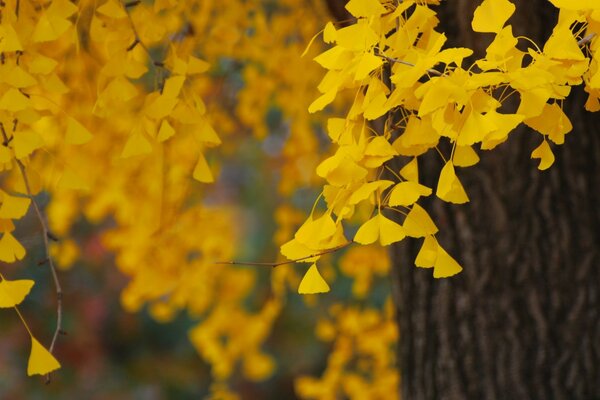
(119, 346)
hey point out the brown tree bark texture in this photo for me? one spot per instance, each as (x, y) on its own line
(522, 321)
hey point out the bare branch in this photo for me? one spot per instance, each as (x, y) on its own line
(277, 264)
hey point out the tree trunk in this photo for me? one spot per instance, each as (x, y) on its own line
(522, 321)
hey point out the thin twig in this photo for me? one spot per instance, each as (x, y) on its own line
(398, 61)
(137, 40)
(585, 40)
(277, 264)
(47, 236)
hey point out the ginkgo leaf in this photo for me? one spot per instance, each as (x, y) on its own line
(367, 64)
(445, 266)
(335, 128)
(6, 225)
(10, 249)
(12, 293)
(26, 142)
(41, 361)
(316, 230)
(382, 228)
(464, 156)
(202, 171)
(196, 66)
(418, 223)
(562, 45)
(294, 250)
(112, 9)
(491, 15)
(42, 65)
(365, 190)
(173, 86)
(406, 193)
(10, 40)
(322, 101)
(449, 187)
(552, 122)
(334, 59)
(410, 171)
(365, 8)
(329, 35)
(13, 100)
(136, 145)
(165, 131)
(428, 254)
(77, 133)
(544, 153)
(313, 282)
(206, 134)
(14, 207)
(19, 78)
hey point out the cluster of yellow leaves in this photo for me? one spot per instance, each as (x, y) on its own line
(393, 61)
(361, 364)
(30, 92)
(137, 75)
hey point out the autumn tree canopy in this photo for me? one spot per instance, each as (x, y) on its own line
(139, 117)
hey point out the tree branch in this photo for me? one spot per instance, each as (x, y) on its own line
(48, 235)
(277, 264)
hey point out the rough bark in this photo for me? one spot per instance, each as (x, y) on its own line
(522, 321)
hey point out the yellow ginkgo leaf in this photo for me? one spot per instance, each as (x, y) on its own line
(12, 293)
(294, 250)
(77, 133)
(365, 190)
(410, 171)
(367, 64)
(10, 249)
(112, 9)
(365, 8)
(10, 40)
(544, 153)
(322, 101)
(552, 122)
(136, 145)
(313, 282)
(329, 33)
(206, 134)
(19, 78)
(173, 86)
(41, 361)
(13, 100)
(26, 142)
(202, 171)
(165, 131)
(418, 223)
(382, 228)
(445, 266)
(428, 253)
(6, 225)
(449, 187)
(314, 231)
(14, 207)
(464, 156)
(491, 15)
(71, 180)
(196, 66)
(407, 193)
